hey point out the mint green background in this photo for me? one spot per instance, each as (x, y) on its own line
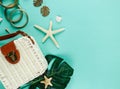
(90, 42)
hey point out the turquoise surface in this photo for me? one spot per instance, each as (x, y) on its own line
(90, 42)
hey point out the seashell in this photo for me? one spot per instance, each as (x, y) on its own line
(58, 18)
(45, 11)
(37, 3)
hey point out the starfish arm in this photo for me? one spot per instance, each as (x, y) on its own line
(42, 82)
(50, 82)
(57, 31)
(54, 41)
(50, 27)
(46, 86)
(40, 28)
(44, 39)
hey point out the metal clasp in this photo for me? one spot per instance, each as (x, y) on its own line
(12, 56)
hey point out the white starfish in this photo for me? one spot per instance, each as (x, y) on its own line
(50, 33)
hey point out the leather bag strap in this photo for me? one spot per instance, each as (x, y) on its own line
(5, 37)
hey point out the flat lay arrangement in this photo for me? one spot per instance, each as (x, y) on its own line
(60, 44)
(23, 63)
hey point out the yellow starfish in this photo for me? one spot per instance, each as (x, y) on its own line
(47, 82)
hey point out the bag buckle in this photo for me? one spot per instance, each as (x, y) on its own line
(10, 52)
(12, 56)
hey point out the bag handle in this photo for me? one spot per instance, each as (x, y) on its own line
(5, 37)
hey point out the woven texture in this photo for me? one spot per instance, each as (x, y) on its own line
(31, 65)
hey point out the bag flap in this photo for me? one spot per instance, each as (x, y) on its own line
(11, 53)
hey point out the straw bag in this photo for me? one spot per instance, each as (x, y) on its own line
(21, 60)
